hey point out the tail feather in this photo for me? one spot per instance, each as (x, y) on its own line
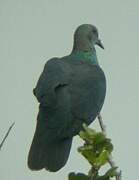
(57, 155)
(47, 152)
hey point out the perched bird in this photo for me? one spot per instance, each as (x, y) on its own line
(71, 91)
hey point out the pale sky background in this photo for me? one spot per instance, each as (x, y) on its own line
(31, 32)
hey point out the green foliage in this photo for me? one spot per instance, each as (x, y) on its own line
(110, 173)
(96, 150)
(79, 176)
(97, 147)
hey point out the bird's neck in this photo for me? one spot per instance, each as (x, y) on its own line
(81, 43)
(88, 56)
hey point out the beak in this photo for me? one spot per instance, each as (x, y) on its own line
(99, 43)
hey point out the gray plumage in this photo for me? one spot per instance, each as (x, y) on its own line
(71, 91)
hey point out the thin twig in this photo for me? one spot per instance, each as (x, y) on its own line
(93, 173)
(6, 135)
(110, 160)
(103, 127)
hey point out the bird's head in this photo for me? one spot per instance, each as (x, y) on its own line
(86, 37)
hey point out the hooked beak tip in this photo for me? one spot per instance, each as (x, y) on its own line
(99, 43)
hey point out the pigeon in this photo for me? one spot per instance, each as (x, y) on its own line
(70, 91)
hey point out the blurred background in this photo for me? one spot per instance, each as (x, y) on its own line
(31, 32)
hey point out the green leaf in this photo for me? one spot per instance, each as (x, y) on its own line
(96, 149)
(101, 142)
(78, 176)
(102, 158)
(87, 152)
(109, 145)
(112, 172)
(89, 131)
(103, 178)
(84, 135)
(88, 134)
(94, 158)
(99, 137)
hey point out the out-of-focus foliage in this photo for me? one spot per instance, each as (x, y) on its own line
(96, 150)
(79, 176)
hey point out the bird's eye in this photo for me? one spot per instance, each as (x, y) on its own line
(94, 31)
(89, 37)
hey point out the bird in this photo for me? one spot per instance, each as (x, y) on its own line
(70, 91)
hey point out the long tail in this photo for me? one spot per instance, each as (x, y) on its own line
(47, 152)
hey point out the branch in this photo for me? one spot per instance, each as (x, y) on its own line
(97, 150)
(6, 135)
(110, 160)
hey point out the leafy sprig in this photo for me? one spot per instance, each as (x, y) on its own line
(97, 149)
